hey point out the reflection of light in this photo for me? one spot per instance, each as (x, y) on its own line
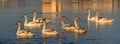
(22, 40)
(115, 3)
(49, 6)
(97, 26)
(76, 37)
(105, 5)
(3, 2)
(50, 9)
(88, 25)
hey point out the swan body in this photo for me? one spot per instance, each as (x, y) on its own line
(67, 27)
(51, 32)
(48, 32)
(106, 20)
(89, 16)
(92, 18)
(78, 29)
(23, 33)
(26, 23)
(102, 19)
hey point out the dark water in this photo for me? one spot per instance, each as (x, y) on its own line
(12, 10)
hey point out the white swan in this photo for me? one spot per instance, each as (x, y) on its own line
(26, 23)
(48, 32)
(23, 33)
(66, 27)
(89, 16)
(102, 19)
(78, 29)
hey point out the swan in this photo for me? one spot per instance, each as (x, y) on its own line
(35, 19)
(48, 32)
(90, 18)
(78, 29)
(66, 27)
(102, 19)
(26, 23)
(23, 33)
(47, 20)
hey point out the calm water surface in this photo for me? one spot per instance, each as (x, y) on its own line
(12, 11)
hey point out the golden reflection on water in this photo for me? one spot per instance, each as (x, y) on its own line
(23, 41)
(77, 36)
(107, 6)
(51, 10)
(3, 3)
(97, 26)
(88, 25)
(49, 6)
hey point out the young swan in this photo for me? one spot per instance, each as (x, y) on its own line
(35, 19)
(102, 19)
(48, 32)
(47, 20)
(78, 29)
(66, 27)
(89, 16)
(23, 33)
(26, 23)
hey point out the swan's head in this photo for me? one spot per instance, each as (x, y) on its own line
(88, 9)
(25, 16)
(44, 19)
(47, 20)
(63, 17)
(76, 18)
(18, 23)
(34, 11)
(96, 11)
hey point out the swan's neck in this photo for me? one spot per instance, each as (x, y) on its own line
(26, 21)
(34, 17)
(75, 23)
(88, 14)
(97, 17)
(44, 26)
(62, 23)
(19, 27)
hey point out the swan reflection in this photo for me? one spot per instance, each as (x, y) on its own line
(23, 41)
(77, 36)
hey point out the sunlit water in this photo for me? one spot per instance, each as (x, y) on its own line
(12, 11)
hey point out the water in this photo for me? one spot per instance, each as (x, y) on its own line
(12, 11)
